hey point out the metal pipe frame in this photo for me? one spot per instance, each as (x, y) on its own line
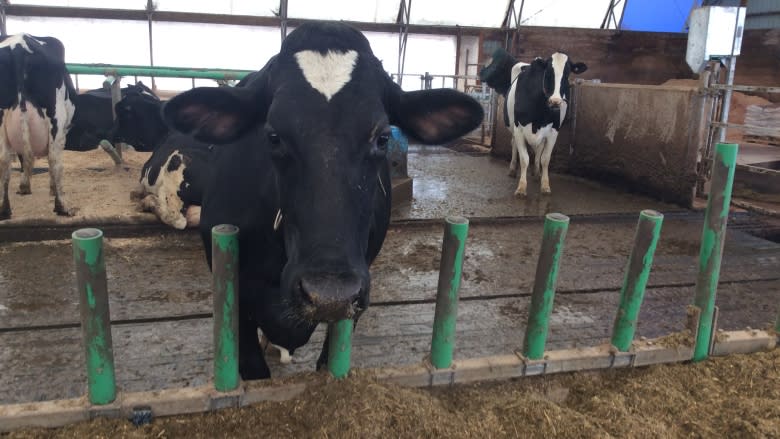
(162, 72)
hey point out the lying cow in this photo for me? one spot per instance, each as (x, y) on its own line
(536, 97)
(94, 120)
(172, 179)
(36, 109)
(306, 178)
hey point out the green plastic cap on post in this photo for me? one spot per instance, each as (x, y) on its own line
(450, 273)
(92, 286)
(225, 263)
(340, 347)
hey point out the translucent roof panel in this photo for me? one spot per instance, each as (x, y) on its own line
(371, 11)
(482, 13)
(103, 4)
(566, 13)
(90, 47)
(263, 8)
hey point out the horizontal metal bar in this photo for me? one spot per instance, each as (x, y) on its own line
(160, 72)
(229, 19)
(758, 88)
(767, 131)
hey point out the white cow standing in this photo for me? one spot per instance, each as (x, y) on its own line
(36, 105)
(536, 102)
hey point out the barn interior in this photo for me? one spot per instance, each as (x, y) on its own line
(640, 135)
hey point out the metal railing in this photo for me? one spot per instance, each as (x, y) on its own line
(113, 72)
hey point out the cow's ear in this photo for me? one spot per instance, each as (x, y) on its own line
(578, 67)
(435, 116)
(213, 114)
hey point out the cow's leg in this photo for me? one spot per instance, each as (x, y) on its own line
(546, 153)
(513, 163)
(251, 362)
(27, 161)
(537, 163)
(6, 159)
(522, 151)
(56, 146)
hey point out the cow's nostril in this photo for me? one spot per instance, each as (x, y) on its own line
(305, 294)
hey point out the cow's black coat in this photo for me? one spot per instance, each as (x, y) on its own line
(318, 165)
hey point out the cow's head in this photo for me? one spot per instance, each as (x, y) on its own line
(555, 77)
(498, 73)
(324, 106)
(138, 119)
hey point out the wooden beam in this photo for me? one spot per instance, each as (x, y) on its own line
(168, 402)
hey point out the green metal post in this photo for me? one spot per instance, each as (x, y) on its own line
(712, 239)
(340, 347)
(637, 271)
(224, 260)
(450, 273)
(543, 295)
(92, 287)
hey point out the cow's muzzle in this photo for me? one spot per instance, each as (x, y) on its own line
(328, 297)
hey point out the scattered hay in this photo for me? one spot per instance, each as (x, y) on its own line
(736, 396)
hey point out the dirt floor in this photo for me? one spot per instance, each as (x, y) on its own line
(736, 396)
(92, 184)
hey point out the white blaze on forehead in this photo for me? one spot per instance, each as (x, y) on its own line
(327, 73)
(18, 40)
(559, 61)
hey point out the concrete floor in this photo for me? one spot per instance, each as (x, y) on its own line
(471, 185)
(158, 276)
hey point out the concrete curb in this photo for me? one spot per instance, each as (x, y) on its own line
(168, 402)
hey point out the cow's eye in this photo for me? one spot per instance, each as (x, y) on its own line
(274, 138)
(381, 141)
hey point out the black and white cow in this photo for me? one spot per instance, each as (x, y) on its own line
(172, 179)
(94, 121)
(304, 175)
(536, 96)
(36, 95)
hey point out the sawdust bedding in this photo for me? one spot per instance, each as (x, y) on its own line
(97, 188)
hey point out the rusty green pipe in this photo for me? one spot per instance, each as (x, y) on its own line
(543, 295)
(712, 239)
(92, 287)
(648, 230)
(340, 347)
(159, 72)
(224, 260)
(450, 273)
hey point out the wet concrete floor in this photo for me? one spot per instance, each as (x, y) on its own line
(160, 288)
(160, 300)
(452, 183)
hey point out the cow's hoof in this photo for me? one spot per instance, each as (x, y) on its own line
(254, 370)
(546, 191)
(193, 216)
(520, 194)
(512, 173)
(24, 190)
(179, 223)
(61, 210)
(5, 214)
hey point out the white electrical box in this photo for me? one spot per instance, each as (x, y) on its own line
(714, 32)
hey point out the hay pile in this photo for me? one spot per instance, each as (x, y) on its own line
(738, 396)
